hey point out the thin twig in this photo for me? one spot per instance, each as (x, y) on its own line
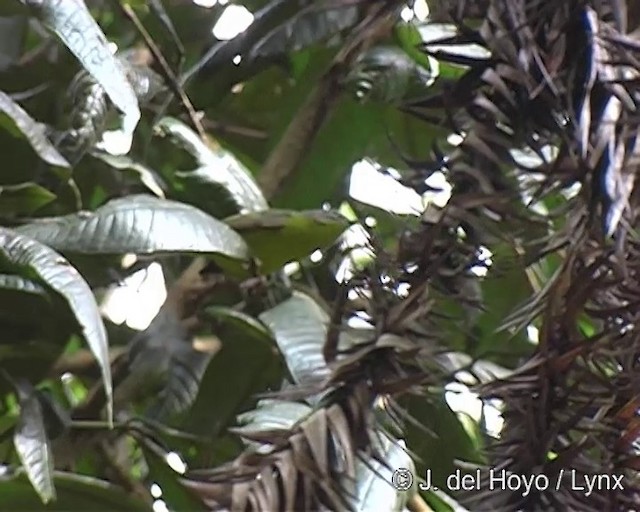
(167, 72)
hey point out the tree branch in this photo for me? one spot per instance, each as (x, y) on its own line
(286, 157)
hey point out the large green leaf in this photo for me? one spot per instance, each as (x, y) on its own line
(138, 224)
(71, 21)
(30, 258)
(277, 237)
(30, 129)
(32, 443)
(246, 364)
(75, 493)
(300, 326)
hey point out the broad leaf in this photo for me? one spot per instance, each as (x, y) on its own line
(437, 437)
(247, 363)
(138, 224)
(71, 21)
(218, 168)
(32, 130)
(30, 258)
(32, 444)
(300, 326)
(277, 237)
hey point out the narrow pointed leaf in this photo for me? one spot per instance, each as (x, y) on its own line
(30, 258)
(32, 130)
(138, 224)
(247, 363)
(32, 444)
(72, 22)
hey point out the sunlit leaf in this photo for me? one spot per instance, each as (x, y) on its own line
(30, 258)
(32, 444)
(72, 22)
(138, 224)
(33, 131)
(300, 326)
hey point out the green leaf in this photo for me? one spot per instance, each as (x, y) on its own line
(218, 168)
(75, 493)
(71, 21)
(38, 262)
(300, 326)
(138, 224)
(32, 444)
(410, 40)
(32, 130)
(440, 439)
(246, 364)
(23, 199)
(277, 237)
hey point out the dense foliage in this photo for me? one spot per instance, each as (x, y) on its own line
(315, 338)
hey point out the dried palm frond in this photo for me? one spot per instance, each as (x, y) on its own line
(561, 75)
